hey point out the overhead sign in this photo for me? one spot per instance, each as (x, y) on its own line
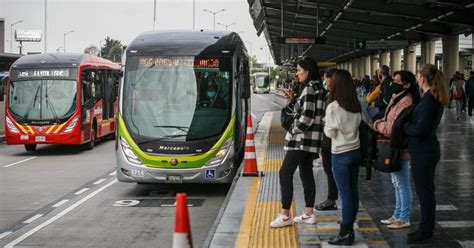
(380, 44)
(303, 40)
(28, 35)
(56, 73)
(326, 63)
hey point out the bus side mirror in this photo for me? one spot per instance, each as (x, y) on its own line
(246, 86)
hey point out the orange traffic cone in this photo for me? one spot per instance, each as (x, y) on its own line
(182, 228)
(250, 157)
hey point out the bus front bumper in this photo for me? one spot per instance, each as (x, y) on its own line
(223, 172)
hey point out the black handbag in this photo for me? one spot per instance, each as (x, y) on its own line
(389, 158)
(287, 116)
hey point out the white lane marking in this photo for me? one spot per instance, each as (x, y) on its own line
(81, 191)
(446, 208)
(3, 235)
(99, 181)
(253, 115)
(456, 224)
(59, 215)
(24, 160)
(276, 104)
(113, 173)
(466, 243)
(28, 221)
(60, 203)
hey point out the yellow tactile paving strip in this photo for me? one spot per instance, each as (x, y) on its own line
(272, 165)
(255, 231)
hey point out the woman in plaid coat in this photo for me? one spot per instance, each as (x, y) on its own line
(303, 143)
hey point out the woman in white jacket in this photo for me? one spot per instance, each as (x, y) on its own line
(343, 117)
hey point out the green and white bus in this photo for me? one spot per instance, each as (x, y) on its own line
(260, 82)
(183, 105)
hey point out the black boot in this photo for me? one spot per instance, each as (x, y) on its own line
(418, 236)
(345, 236)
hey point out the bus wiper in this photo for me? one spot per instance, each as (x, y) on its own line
(48, 102)
(142, 76)
(184, 129)
(31, 104)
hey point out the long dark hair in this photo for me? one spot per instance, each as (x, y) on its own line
(409, 77)
(310, 65)
(343, 91)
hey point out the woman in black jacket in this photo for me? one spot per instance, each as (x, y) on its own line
(423, 146)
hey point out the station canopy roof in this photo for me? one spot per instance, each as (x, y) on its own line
(342, 24)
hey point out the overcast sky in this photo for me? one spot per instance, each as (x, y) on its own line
(93, 20)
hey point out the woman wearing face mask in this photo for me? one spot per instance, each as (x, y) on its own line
(405, 93)
(424, 147)
(330, 202)
(302, 144)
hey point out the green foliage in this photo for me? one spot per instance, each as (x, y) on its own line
(112, 49)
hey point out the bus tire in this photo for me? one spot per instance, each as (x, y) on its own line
(30, 148)
(90, 145)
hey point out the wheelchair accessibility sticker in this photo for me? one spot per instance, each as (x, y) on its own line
(210, 174)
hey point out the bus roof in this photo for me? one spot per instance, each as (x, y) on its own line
(61, 60)
(186, 42)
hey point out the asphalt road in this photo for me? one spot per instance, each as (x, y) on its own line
(63, 196)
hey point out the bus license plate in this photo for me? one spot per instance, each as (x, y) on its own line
(40, 138)
(174, 179)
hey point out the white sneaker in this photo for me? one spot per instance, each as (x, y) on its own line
(306, 219)
(281, 221)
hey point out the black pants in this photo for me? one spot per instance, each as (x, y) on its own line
(292, 160)
(423, 170)
(327, 165)
(470, 105)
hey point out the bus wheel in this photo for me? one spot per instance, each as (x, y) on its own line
(90, 145)
(30, 148)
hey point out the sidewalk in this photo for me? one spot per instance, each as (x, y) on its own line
(254, 202)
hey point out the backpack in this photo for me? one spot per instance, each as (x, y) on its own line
(287, 116)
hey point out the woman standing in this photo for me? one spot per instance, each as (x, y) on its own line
(424, 147)
(303, 143)
(405, 94)
(343, 117)
(330, 202)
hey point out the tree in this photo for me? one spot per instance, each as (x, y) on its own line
(93, 50)
(110, 47)
(115, 53)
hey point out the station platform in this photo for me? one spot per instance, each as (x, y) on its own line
(253, 202)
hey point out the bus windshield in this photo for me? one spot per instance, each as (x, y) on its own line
(176, 98)
(260, 81)
(42, 99)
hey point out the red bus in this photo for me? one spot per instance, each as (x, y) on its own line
(61, 99)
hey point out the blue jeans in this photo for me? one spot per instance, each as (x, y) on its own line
(345, 167)
(403, 195)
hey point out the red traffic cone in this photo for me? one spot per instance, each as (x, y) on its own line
(182, 228)
(250, 157)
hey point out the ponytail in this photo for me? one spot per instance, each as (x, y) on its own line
(435, 80)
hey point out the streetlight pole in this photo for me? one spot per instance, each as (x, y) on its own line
(64, 45)
(11, 34)
(154, 14)
(226, 26)
(45, 24)
(214, 13)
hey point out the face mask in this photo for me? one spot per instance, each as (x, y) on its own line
(211, 93)
(397, 88)
(324, 85)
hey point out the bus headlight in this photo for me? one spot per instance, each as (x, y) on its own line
(11, 126)
(222, 153)
(127, 150)
(71, 125)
